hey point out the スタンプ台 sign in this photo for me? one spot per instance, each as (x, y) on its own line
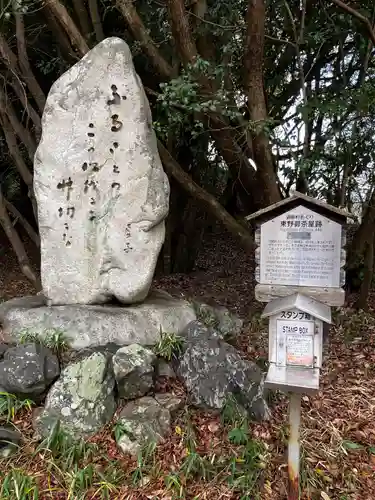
(295, 342)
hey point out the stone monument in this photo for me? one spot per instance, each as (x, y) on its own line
(101, 189)
(102, 200)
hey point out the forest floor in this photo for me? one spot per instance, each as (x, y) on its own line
(210, 456)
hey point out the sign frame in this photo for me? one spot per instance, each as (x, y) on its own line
(330, 295)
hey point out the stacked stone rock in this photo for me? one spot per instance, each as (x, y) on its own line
(102, 200)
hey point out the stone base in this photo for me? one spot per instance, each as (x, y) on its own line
(89, 326)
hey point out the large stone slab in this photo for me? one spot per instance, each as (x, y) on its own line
(101, 190)
(89, 326)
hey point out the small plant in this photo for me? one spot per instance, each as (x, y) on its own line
(232, 412)
(107, 482)
(189, 434)
(28, 337)
(169, 346)
(17, 485)
(80, 480)
(239, 435)
(10, 405)
(206, 314)
(119, 430)
(194, 465)
(173, 483)
(64, 450)
(245, 469)
(145, 462)
(258, 324)
(54, 339)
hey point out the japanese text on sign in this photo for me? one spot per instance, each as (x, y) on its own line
(295, 342)
(300, 248)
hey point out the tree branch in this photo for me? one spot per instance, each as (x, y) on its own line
(207, 200)
(19, 162)
(140, 33)
(28, 227)
(17, 245)
(363, 19)
(14, 81)
(24, 63)
(96, 21)
(181, 31)
(82, 17)
(57, 9)
(23, 133)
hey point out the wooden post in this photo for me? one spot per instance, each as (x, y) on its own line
(300, 259)
(294, 446)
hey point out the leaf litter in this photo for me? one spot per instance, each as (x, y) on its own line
(338, 423)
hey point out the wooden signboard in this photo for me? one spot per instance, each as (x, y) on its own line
(300, 248)
(300, 259)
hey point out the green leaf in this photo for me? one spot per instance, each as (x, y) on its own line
(238, 436)
(350, 445)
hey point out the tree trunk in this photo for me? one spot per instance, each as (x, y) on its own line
(253, 64)
(27, 226)
(96, 21)
(189, 238)
(23, 133)
(19, 162)
(368, 272)
(19, 90)
(208, 201)
(17, 245)
(82, 17)
(359, 259)
(57, 9)
(24, 63)
(224, 135)
(140, 33)
(58, 31)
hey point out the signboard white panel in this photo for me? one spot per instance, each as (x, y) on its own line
(302, 248)
(295, 342)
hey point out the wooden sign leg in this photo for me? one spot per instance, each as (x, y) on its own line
(293, 445)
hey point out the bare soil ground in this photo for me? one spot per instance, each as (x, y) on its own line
(338, 424)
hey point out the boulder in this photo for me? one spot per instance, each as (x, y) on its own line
(10, 439)
(213, 370)
(196, 330)
(28, 370)
(82, 399)
(133, 367)
(142, 422)
(89, 326)
(164, 369)
(225, 322)
(100, 186)
(3, 349)
(169, 401)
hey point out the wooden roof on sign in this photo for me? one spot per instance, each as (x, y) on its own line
(296, 200)
(299, 301)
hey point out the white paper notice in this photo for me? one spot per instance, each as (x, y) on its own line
(302, 248)
(295, 343)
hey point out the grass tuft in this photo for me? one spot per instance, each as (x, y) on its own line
(169, 346)
(11, 405)
(54, 339)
